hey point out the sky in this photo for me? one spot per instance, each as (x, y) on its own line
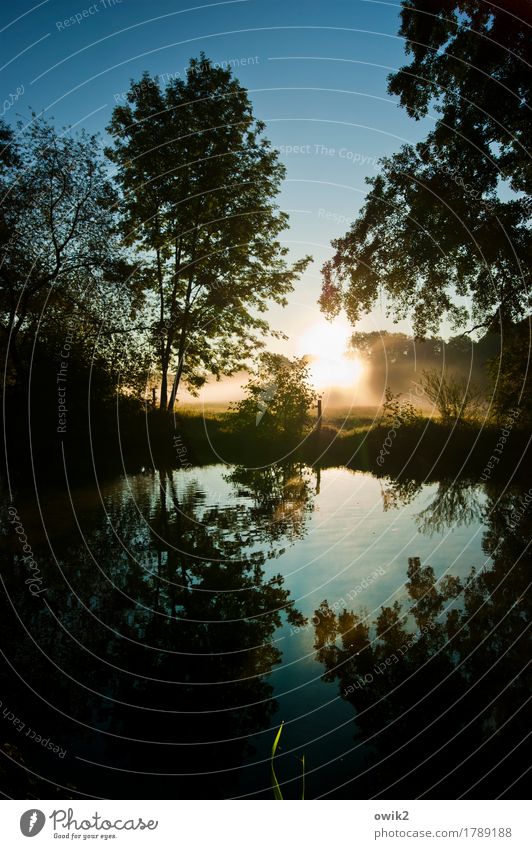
(316, 72)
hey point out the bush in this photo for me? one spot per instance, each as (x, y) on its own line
(279, 397)
(398, 412)
(455, 398)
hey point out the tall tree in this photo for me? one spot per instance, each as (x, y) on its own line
(59, 247)
(444, 230)
(198, 181)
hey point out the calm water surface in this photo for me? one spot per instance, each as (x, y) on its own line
(185, 615)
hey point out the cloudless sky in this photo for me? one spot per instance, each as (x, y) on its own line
(316, 72)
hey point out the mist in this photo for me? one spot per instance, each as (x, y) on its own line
(393, 360)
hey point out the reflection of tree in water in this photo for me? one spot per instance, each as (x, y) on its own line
(398, 492)
(186, 632)
(456, 502)
(439, 707)
(282, 498)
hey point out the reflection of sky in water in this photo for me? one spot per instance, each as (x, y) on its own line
(350, 536)
(333, 531)
(347, 536)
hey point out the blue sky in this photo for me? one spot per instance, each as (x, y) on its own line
(316, 72)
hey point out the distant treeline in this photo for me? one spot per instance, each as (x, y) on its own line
(398, 360)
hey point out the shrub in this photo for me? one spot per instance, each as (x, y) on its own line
(279, 397)
(455, 398)
(398, 412)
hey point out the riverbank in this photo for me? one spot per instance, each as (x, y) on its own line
(424, 450)
(137, 437)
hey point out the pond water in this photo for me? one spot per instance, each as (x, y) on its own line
(180, 617)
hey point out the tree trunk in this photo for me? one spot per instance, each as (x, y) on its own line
(181, 350)
(175, 385)
(165, 358)
(164, 387)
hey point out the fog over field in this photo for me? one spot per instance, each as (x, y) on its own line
(385, 359)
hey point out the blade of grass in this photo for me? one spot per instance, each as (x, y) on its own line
(276, 741)
(303, 776)
(276, 788)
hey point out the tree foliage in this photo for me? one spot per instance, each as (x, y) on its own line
(511, 377)
(443, 232)
(470, 61)
(61, 260)
(198, 182)
(455, 398)
(279, 396)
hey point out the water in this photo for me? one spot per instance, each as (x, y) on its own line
(182, 616)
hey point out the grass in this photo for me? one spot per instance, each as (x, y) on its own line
(275, 783)
(429, 445)
(347, 437)
(338, 417)
(350, 418)
(211, 411)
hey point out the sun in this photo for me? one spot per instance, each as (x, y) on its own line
(331, 364)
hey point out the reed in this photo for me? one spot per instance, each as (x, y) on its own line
(275, 783)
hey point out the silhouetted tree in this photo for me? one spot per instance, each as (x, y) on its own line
(198, 183)
(511, 376)
(61, 256)
(435, 227)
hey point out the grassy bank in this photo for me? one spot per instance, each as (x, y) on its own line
(427, 449)
(135, 437)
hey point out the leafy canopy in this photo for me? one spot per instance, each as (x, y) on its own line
(444, 231)
(198, 183)
(61, 261)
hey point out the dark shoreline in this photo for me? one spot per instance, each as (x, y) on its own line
(134, 440)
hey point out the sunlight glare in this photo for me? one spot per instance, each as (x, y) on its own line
(325, 343)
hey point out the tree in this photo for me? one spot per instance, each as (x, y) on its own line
(455, 398)
(198, 182)
(60, 252)
(470, 61)
(511, 377)
(279, 396)
(443, 225)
